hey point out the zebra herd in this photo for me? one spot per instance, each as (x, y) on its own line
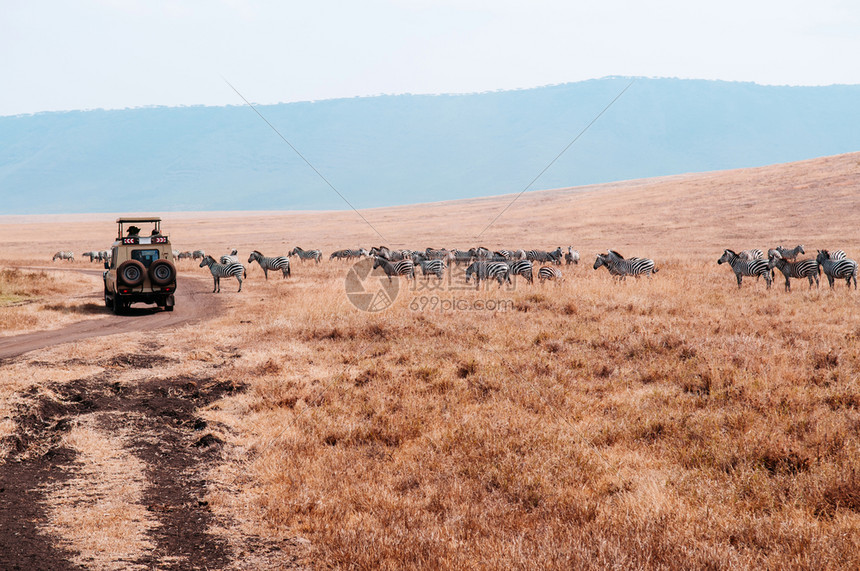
(835, 265)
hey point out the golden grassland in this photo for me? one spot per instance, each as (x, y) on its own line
(674, 422)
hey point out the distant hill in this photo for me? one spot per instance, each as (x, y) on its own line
(403, 149)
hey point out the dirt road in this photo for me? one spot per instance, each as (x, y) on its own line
(193, 302)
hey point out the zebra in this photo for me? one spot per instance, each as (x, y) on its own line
(198, 255)
(620, 267)
(64, 256)
(838, 255)
(572, 256)
(543, 256)
(432, 267)
(271, 263)
(837, 268)
(400, 268)
(436, 253)
(808, 269)
(223, 270)
(230, 258)
(522, 268)
(742, 267)
(462, 256)
(482, 270)
(789, 255)
(508, 254)
(751, 254)
(550, 273)
(306, 254)
(348, 254)
(91, 255)
(184, 256)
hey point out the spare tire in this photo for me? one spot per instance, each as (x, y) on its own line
(131, 273)
(162, 272)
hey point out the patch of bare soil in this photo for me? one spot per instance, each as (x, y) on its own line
(167, 436)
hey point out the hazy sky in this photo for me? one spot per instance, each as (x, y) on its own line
(86, 54)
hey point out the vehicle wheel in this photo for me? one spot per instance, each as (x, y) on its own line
(117, 305)
(131, 273)
(162, 272)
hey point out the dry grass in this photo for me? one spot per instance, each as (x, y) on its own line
(673, 423)
(39, 300)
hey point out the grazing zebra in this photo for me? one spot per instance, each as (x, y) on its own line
(790, 255)
(499, 271)
(752, 254)
(572, 256)
(271, 263)
(91, 255)
(743, 267)
(837, 268)
(223, 270)
(400, 268)
(432, 267)
(348, 254)
(544, 257)
(198, 255)
(620, 267)
(522, 268)
(184, 256)
(64, 256)
(306, 254)
(550, 273)
(808, 269)
(462, 257)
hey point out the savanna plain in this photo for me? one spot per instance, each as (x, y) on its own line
(676, 422)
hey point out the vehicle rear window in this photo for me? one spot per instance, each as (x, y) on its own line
(145, 257)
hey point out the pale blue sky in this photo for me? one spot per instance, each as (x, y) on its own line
(85, 54)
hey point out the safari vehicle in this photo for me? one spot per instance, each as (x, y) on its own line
(141, 266)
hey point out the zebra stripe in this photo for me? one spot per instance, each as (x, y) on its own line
(432, 267)
(499, 271)
(222, 271)
(620, 267)
(400, 268)
(523, 268)
(348, 254)
(790, 255)
(306, 254)
(753, 254)
(808, 269)
(743, 267)
(543, 256)
(837, 268)
(271, 263)
(549, 273)
(64, 256)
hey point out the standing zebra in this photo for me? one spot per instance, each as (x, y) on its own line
(808, 269)
(198, 255)
(348, 254)
(572, 256)
(401, 268)
(744, 267)
(222, 271)
(541, 256)
(790, 255)
(837, 268)
(306, 254)
(499, 271)
(751, 254)
(621, 267)
(231, 258)
(271, 263)
(432, 267)
(461, 257)
(550, 273)
(522, 268)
